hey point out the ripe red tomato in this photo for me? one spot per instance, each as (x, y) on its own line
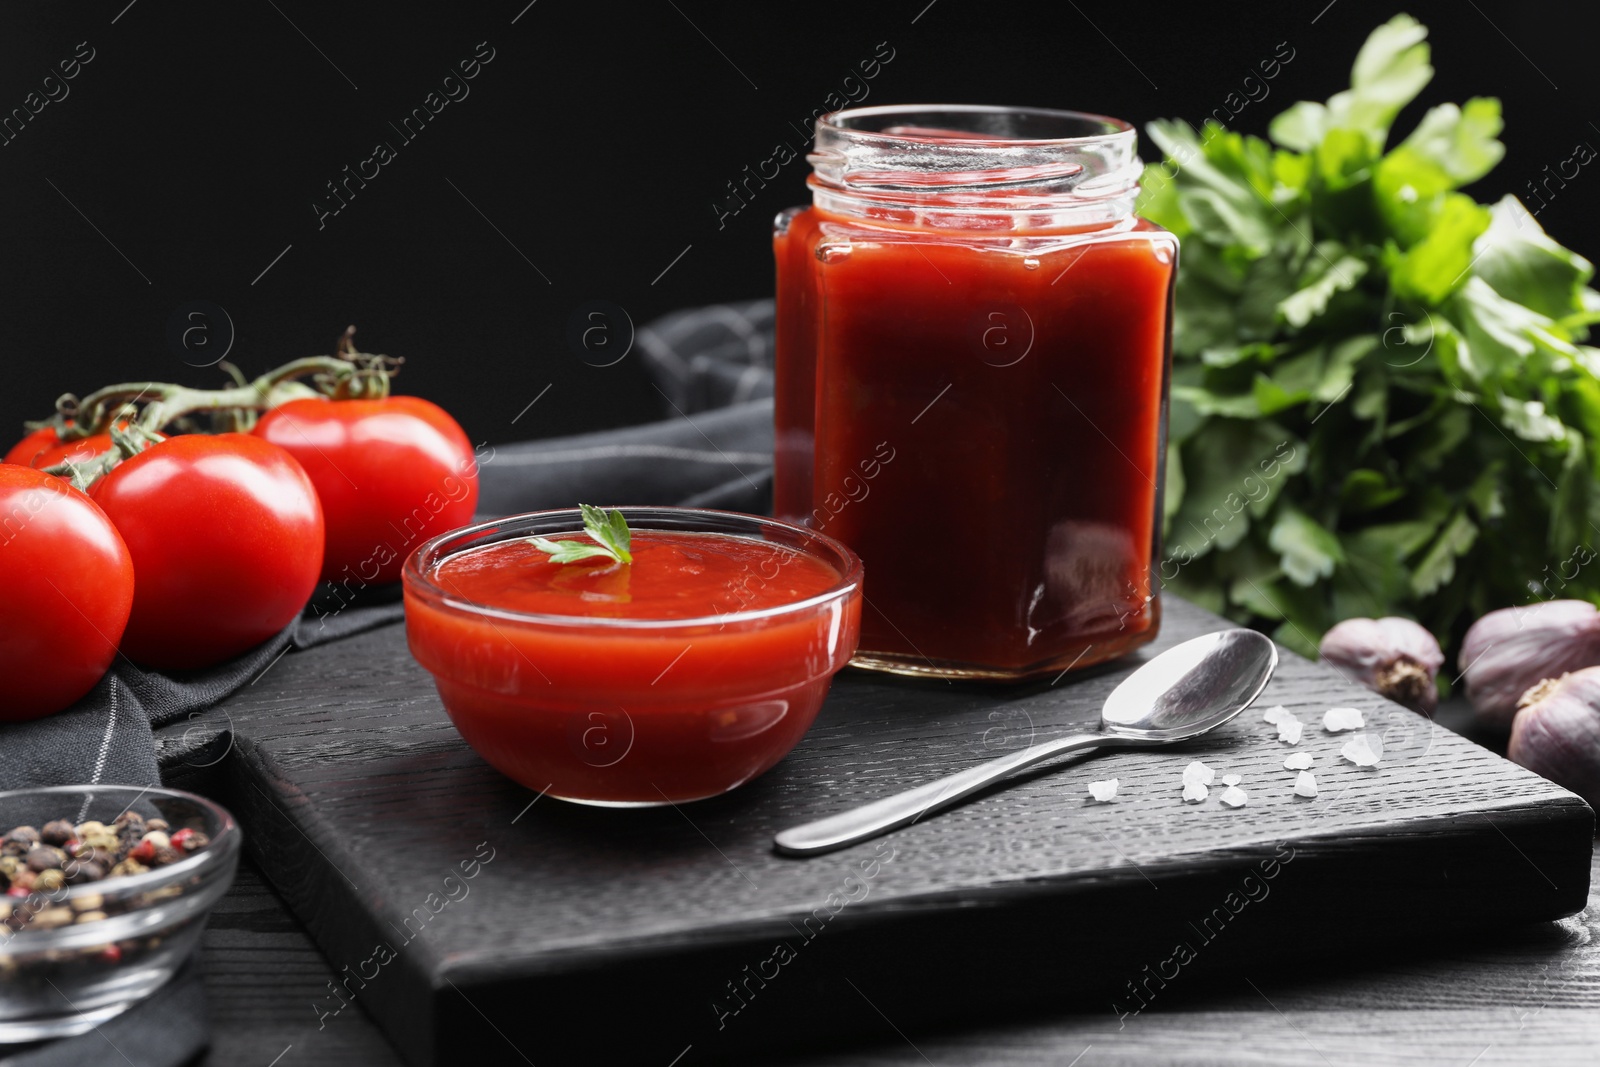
(84, 448)
(66, 587)
(391, 473)
(226, 537)
(26, 450)
(44, 448)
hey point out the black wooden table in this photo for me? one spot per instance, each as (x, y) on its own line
(1523, 994)
(593, 939)
(1528, 995)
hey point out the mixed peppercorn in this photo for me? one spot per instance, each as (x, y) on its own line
(36, 864)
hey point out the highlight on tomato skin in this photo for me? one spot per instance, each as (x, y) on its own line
(66, 591)
(225, 532)
(391, 473)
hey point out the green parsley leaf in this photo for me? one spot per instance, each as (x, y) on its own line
(609, 530)
(1309, 551)
(1518, 261)
(1436, 264)
(1461, 143)
(1328, 277)
(1389, 72)
(1438, 565)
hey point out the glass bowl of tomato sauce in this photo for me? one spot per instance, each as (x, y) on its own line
(678, 676)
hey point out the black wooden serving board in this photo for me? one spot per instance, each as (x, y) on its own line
(676, 935)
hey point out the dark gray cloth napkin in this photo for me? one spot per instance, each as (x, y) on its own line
(713, 368)
(106, 736)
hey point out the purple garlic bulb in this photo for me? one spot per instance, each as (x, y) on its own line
(1392, 656)
(1556, 733)
(1511, 650)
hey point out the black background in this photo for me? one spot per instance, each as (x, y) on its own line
(592, 149)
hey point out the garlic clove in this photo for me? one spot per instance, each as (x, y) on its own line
(1508, 651)
(1557, 734)
(1393, 656)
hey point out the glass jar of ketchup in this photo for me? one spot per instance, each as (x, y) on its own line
(973, 347)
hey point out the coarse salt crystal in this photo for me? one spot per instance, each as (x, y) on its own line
(1103, 791)
(1289, 731)
(1231, 779)
(1305, 785)
(1195, 792)
(1276, 712)
(1337, 720)
(1234, 797)
(1198, 772)
(1364, 750)
(1297, 762)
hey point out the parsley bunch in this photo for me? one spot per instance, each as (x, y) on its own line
(1381, 404)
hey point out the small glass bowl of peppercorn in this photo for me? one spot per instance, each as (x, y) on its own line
(104, 890)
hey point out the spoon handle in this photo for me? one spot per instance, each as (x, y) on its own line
(890, 813)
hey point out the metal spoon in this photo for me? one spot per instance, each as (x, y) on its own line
(1184, 692)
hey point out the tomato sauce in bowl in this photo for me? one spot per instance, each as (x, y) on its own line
(682, 675)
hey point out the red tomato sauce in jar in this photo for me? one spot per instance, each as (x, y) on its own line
(981, 416)
(690, 671)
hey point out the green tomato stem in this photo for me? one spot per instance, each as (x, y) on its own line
(347, 376)
(149, 408)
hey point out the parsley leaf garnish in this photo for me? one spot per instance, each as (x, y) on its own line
(609, 530)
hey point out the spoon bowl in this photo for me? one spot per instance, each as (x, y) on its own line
(1192, 688)
(1188, 690)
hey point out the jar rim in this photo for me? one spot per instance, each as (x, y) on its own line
(977, 166)
(1111, 128)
